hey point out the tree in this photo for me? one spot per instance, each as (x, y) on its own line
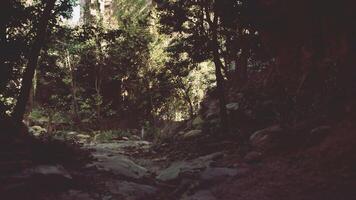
(29, 72)
(197, 24)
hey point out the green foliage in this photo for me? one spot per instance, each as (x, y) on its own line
(110, 135)
(18, 24)
(91, 72)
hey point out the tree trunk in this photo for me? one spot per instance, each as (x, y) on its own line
(50, 122)
(98, 96)
(3, 67)
(185, 91)
(242, 62)
(29, 72)
(218, 74)
(190, 103)
(98, 78)
(75, 113)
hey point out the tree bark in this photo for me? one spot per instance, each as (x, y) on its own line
(98, 78)
(242, 64)
(3, 67)
(218, 74)
(189, 100)
(29, 72)
(75, 113)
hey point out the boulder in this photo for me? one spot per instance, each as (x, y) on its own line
(131, 190)
(125, 138)
(262, 137)
(253, 156)
(212, 109)
(135, 137)
(198, 122)
(216, 174)
(72, 133)
(172, 172)
(75, 195)
(176, 169)
(47, 170)
(37, 130)
(83, 136)
(201, 195)
(318, 134)
(192, 134)
(120, 165)
(232, 106)
(320, 130)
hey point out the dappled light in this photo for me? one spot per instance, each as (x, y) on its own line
(177, 99)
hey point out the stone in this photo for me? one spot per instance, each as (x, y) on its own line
(120, 165)
(192, 134)
(261, 137)
(75, 195)
(198, 122)
(37, 130)
(320, 130)
(131, 190)
(47, 170)
(125, 138)
(135, 137)
(71, 133)
(232, 106)
(172, 172)
(213, 109)
(176, 169)
(318, 134)
(181, 133)
(83, 136)
(253, 156)
(217, 173)
(201, 195)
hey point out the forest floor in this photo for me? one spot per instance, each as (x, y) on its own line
(201, 169)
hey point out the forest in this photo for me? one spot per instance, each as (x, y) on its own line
(177, 99)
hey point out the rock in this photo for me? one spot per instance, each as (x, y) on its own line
(120, 165)
(83, 136)
(192, 134)
(253, 156)
(201, 195)
(72, 133)
(212, 115)
(261, 137)
(320, 130)
(185, 167)
(172, 172)
(37, 130)
(232, 106)
(47, 170)
(125, 138)
(318, 134)
(75, 195)
(131, 190)
(135, 137)
(198, 122)
(214, 122)
(217, 174)
(212, 109)
(181, 133)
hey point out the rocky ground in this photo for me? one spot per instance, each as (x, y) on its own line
(315, 164)
(122, 170)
